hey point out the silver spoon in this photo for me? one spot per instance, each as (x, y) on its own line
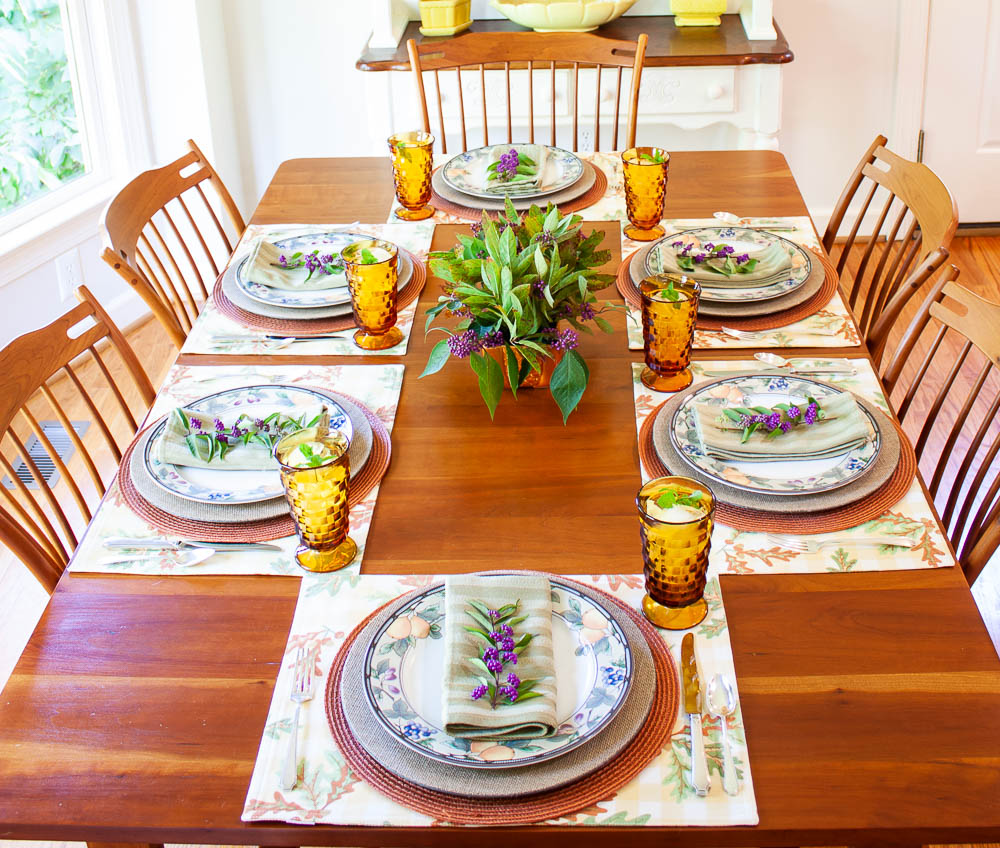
(721, 704)
(834, 366)
(734, 220)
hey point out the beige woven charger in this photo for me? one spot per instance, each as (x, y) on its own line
(870, 496)
(254, 522)
(583, 193)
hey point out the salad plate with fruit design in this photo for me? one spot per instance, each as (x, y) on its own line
(464, 172)
(782, 474)
(731, 282)
(404, 667)
(225, 486)
(327, 246)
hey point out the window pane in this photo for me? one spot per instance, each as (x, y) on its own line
(41, 146)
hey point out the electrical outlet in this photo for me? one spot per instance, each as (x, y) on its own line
(69, 273)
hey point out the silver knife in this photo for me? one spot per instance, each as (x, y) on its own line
(692, 706)
(118, 542)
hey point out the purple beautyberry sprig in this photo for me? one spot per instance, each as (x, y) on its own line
(776, 420)
(499, 648)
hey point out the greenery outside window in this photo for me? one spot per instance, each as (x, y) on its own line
(42, 147)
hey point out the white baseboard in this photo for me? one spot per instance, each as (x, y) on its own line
(127, 309)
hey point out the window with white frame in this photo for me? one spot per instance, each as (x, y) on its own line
(60, 106)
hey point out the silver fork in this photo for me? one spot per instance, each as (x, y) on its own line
(302, 691)
(757, 335)
(811, 546)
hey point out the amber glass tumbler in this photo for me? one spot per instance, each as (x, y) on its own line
(317, 496)
(669, 312)
(675, 547)
(412, 165)
(645, 170)
(373, 292)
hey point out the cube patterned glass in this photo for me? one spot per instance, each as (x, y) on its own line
(675, 555)
(645, 171)
(318, 500)
(373, 292)
(668, 330)
(412, 165)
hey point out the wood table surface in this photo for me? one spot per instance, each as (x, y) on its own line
(871, 700)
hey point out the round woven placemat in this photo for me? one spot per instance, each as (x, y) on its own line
(313, 326)
(849, 515)
(264, 529)
(588, 198)
(502, 810)
(782, 317)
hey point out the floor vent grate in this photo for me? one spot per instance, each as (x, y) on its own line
(63, 445)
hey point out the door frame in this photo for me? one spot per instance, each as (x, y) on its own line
(911, 64)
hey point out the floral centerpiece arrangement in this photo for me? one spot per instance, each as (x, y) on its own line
(511, 284)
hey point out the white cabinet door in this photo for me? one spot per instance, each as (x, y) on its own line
(962, 104)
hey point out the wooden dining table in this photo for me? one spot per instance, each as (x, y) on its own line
(871, 700)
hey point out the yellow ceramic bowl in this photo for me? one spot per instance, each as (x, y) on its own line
(562, 15)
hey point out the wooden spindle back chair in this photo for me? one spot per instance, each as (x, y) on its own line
(164, 237)
(476, 53)
(944, 383)
(913, 215)
(62, 373)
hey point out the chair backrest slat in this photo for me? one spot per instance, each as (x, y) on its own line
(510, 51)
(129, 222)
(951, 401)
(74, 376)
(926, 216)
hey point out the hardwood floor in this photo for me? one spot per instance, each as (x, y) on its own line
(22, 600)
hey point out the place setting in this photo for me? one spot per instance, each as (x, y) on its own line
(236, 476)
(501, 698)
(303, 289)
(465, 185)
(802, 460)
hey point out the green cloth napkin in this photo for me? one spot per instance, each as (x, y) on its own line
(474, 719)
(172, 446)
(773, 265)
(843, 427)
(262, 268)
(521, 183)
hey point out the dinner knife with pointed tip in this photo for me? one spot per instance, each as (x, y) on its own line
(692, 706)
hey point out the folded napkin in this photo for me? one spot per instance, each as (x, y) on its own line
(773, 265)
(264, 268)
(532, 718)
(528, 178)
(178, 446)
(843, 427)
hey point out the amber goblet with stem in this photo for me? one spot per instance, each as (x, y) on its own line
(371, 269)
(645, 171)
(675, 525)
(669, 313)
(316, 473)
(412, 165)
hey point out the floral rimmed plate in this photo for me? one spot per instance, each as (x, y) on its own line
(404, 667)
(778, 476)
(743, 241)
(207, 485)
(332, 243)
(464, 172)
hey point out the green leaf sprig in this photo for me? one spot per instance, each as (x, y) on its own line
(500, 651)
(774, 420)
(658, 156)
(209, 444)
(671, 497)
